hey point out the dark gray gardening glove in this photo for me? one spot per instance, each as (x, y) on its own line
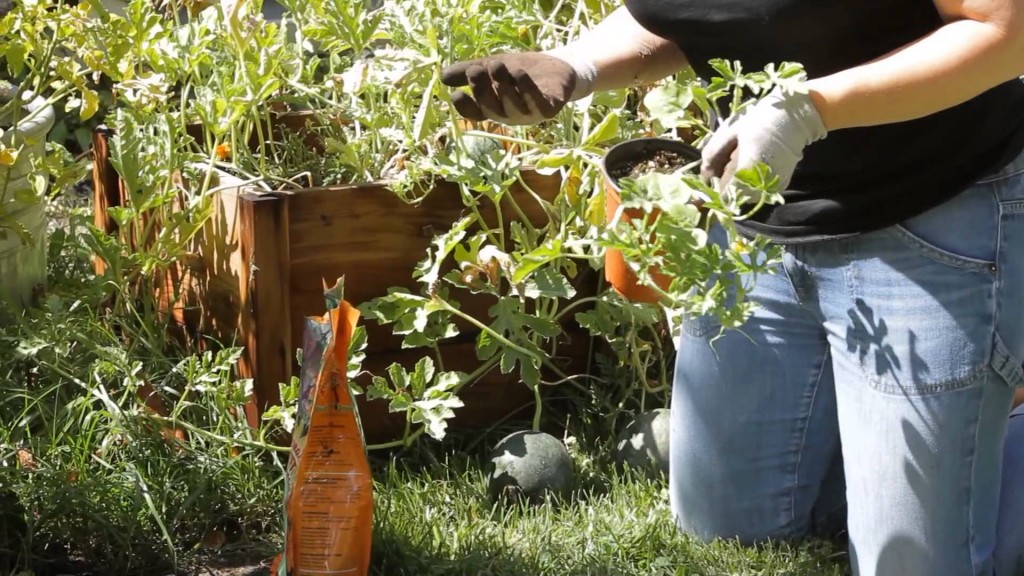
(519, 88)
(774, 130)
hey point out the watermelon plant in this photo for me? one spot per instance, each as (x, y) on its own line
(529, 271)
(197, 93)
(674, 241)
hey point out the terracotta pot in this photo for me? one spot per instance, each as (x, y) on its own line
(616, 271)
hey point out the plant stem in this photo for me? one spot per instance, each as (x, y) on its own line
(538, 408)
(575, 304)
(571, 380)
(210, 169)
(519, 210)
(437, 354)
(469, 200)
(311, 93)
(501, 219)
(398, 443)
(501, 339)
(265, 141)
(533, 193)
(239, 441)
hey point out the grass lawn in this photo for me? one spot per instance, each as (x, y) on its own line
(435, 519)
(116, 507)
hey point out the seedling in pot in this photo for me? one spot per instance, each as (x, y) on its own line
(662, 214)
(641, 162)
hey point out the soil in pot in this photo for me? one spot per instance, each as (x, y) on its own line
(660, 161)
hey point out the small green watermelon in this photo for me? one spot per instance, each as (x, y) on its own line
(481, 146)
(527, 466)
(644, 443)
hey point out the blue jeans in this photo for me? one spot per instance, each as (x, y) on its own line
(873, 382)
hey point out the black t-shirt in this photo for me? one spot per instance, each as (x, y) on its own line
(857, 179)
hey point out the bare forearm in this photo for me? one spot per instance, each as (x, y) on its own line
(626, 54)
(950, 66)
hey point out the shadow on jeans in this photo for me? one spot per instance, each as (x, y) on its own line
(866, 335)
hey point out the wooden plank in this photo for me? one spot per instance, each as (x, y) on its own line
(493, 397)
(107, 191)
(258, 266)
(265, 314)
(375, 239)
(210, 284)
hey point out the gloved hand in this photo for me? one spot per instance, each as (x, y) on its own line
(519, 88)
(775, 130)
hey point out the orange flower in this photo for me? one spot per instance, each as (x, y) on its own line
(224, 151)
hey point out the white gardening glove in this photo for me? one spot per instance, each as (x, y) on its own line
(774, 130)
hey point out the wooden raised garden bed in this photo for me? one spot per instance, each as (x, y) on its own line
(261, 261)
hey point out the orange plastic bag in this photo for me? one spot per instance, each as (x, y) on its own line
(329, 488)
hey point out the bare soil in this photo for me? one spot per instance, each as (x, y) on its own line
(233, 559)
(246, 561)
(240, 563)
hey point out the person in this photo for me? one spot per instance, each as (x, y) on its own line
(875, 380)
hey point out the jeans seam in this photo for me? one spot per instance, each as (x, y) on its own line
(997, 281)
(912, 390)
(997, 177)
(803, 439)
(797, 293)
(971, 532)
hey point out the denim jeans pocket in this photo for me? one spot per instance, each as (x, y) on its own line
(925, 293)
(963, 232)
(941, 247)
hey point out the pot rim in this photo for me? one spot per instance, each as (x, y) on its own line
(668, 143)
